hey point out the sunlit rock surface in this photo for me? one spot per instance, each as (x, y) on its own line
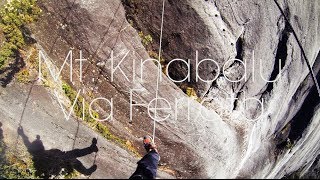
(223, 137)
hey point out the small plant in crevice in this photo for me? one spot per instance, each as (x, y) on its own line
(289, 144)
(155, 56)
(30, 71)
(82, 112)
(145, 39)
(149, 39)
(23, 76)
(190, 91)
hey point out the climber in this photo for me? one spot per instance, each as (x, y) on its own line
(148, 165)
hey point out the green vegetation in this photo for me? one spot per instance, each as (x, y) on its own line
(145, 39)
(14, 16)
(97, 126)
(28, 73)
(13, 167)
(78, 108)
(72, 175)
(23, 76)
(132, 11)
(289, 144)
(155, 55)
(190, 91)
(22, 167)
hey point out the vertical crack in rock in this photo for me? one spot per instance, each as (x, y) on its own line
(235, 103)
(239, 56)
(281, 56)
(213, 85)
(304, 116)
(239, 48)
(295, 129)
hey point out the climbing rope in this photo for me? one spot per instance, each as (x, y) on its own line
(27, 100)
(300, 46)
(24, 108)
(159, 72)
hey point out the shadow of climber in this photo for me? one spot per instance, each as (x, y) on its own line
(51, 163)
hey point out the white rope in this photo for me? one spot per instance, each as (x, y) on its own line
(159, 73)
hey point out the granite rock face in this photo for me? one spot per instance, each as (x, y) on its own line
(230, 134)
(257, 34)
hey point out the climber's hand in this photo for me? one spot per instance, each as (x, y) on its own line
(20, 130)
